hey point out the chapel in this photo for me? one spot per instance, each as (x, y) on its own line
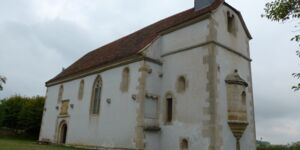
(182, 83)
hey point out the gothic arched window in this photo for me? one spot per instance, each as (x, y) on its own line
(96, 96)
(125, 80)
(60, 93)
(81, 89)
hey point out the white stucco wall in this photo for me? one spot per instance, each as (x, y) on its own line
(238, 41)
(228, 63)
(154, 49)
(188, 109)
(153, 87)
(185, 37)
(113, 127)
(50, 114)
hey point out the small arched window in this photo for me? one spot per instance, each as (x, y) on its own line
(125, 80)
(184, 145)
(60, 93)
(181, 84)
(169, 108)
(96, 96)
(80, 90)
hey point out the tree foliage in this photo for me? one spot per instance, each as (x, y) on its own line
(292, 146)
(281, 11)
(11, 110)
(2, 80)
(30, 116)
(22, 114)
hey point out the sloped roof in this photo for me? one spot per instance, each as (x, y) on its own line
(131, 44)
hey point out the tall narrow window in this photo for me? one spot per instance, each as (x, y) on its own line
(60, 93)
(243, 108)
(169, 109)
(96, 96)
(230, 23)
(184, 145)
(81, 89)
(125, 80)
(243, 98)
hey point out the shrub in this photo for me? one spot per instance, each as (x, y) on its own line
(22, 114)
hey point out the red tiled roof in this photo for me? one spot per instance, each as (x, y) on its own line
(130, 44)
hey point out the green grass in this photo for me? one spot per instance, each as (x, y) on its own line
(21, 144)
(279, 148)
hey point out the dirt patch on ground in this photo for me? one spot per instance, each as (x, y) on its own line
(6, 132)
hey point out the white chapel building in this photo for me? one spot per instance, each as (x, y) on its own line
(183, 83)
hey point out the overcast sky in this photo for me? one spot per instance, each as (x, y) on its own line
(38, 38)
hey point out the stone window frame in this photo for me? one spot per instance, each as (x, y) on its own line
(124, 85)
(95, 106)
(181, 84)
(231, 23)
(58, 130)
(184, 144)
(60, 93)
(81, 90)
(165, 110)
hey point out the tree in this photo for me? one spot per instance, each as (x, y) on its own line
(31, 114)
(281, 11)
(2, 80)
(1, 113)
(23, 114)
(11, 109)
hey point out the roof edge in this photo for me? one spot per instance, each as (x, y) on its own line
(128, 60)
(203, 11)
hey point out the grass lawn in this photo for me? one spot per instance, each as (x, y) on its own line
(20, 144)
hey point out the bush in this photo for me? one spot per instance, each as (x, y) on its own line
(11, 109)
(22, 114)
(30, 116)
(280, 147)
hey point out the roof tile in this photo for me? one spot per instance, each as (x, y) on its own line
(130, 44)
